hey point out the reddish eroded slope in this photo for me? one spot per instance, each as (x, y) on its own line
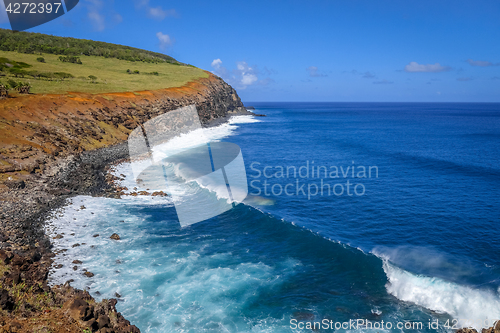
(37, 128)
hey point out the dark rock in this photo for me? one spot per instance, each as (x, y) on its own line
(16, 276)
(36, 256)
(118, 295)
(115, 237)
(6, 256)
(103, 321)
(17, 260)
(96, 235)
(77, 262)
(6, 301)
(81, 310)
(15, 184)
(92, 324)
(88, 274)
(466, 330)
(106, 330)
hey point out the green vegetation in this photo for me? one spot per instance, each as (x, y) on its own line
(71, 59)
(32, 43)
(51, 64)
(94, 75)
(21, 87)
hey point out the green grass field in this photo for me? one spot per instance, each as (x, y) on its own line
(111, 74)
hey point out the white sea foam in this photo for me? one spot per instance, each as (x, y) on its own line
(243, 120)
(167, 285)
(179, 144)
(471, 307)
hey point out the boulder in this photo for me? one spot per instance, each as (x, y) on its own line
(16, 184)
(80, 310)
(103, 321)
(6, 301)
(115, 237)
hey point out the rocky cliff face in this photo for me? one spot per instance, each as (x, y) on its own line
(53, 147)
(38, 128)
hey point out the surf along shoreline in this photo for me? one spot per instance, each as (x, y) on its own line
(40, 173)
(26, 252)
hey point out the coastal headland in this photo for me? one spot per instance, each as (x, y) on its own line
(53, 147)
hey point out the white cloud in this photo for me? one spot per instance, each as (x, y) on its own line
(480, 63)
(414, 67)
(118, 18)
(164, 39)
(159, 13)
(314, 72)
(241, 77)
(248, 76)
(97, 20)
(216, 63)
(101, 14)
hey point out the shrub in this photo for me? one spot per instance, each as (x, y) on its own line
(136, 72)
(93, 78)
(40, 59)
(11, 83)
(47, 75)
(71, 59)
(23, 87)
(17, 72)
(35, 74)
(22, 64)
(63, 75)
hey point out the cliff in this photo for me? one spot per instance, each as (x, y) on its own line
(38, 128)
(53, 147)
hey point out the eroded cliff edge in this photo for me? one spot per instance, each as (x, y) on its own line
(37, 128)
(53, 147)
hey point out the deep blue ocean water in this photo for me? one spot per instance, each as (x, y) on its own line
(412, 238)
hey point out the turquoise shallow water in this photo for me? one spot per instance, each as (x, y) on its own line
(415, 241)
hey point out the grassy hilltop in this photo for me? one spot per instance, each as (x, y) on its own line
(60, 65)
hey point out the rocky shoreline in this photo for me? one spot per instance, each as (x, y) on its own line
(25, 250)
(26, 300)
(30, 192)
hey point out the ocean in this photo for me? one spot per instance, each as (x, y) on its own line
(361, 217)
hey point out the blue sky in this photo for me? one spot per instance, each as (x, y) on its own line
(312, 50)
